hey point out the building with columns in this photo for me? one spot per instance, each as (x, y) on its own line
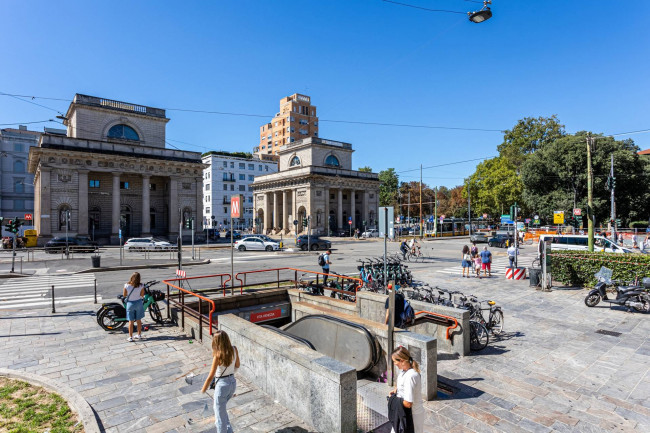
(315, 178)
(112, 172)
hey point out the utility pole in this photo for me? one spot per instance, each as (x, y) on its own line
(612, 204)
(408, 212)
(590, 201)
(421, 201)
(435, 212)
(469, 210)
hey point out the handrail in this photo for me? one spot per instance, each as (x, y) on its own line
(449, 328)
(213, 307)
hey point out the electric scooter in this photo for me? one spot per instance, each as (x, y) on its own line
(112, 316)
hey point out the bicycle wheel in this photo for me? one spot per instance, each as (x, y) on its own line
(108, 321)
(154, 312)
(496, 322)
(478, 336)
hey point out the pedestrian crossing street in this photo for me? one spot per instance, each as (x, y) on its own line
(37, 291)
(499, 266)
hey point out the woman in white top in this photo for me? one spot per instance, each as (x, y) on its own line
(225, 361)
(409, 386)
(133, 293)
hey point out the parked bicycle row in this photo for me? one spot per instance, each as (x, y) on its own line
(371, 271)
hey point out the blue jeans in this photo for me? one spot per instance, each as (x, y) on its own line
(223, 392)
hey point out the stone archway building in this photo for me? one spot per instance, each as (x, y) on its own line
(315, 179)
(112, 172)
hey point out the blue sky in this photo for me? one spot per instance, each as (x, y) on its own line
(365, 61)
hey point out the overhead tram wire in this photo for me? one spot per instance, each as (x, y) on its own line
(27, 123)
(423, 8)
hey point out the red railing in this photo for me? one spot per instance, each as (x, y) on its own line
(181, 295)
(449, 328)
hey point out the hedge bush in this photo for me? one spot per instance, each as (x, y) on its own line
(638, 224)
(577, 268)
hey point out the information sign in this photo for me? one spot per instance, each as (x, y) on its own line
(235, 206)
(558, 217)
(577, 211)
(28, 217)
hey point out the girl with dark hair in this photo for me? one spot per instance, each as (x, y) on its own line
(409, 387)
(467, 261)
(134, 293)
(225, 362)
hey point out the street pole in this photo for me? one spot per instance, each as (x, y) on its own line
(469, 210)
(590, 202)
(408, 213)
(435, 212)
(192, 222)
(516, 237)
(232, 256)
(613, 208)
(421, 201)
(13, 253)
(67, 221)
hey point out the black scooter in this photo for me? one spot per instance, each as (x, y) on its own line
(634, 297)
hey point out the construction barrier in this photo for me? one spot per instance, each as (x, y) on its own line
(515, 273)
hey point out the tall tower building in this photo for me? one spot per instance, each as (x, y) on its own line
(296, 120)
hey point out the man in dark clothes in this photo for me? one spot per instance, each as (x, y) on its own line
(399, 307)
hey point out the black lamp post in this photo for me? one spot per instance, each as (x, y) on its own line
(482, 15)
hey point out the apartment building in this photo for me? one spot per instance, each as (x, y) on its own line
(296, 120)
(228, 174)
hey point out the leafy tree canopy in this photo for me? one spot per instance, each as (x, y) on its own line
(388, 187)
(246, 155)
(494, 187)
(365, 169)
(529, 135)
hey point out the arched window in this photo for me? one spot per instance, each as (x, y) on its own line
(332, 161)
(295, 161)
(123, 132)
(19, 166)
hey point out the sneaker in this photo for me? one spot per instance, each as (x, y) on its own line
(130, 339)
(137, 337)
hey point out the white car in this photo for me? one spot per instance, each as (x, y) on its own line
(370, 233)
(253, 243)
(163, 245)
(140, 244)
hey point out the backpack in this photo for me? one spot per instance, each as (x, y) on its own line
(408, 315)
(321, 260)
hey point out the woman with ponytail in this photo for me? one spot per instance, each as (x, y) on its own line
(409, 388)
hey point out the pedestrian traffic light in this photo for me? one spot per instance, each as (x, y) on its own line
(304, 222)
(189, 223)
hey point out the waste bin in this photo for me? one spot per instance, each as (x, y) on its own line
(96, 261)
(535, 275)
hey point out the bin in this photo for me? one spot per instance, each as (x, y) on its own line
(32, 238)
(535, 275)
(96, 260)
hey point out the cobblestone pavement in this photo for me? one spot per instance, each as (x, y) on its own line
(551, 371)
(133, 387)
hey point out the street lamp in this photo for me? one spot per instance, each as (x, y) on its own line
(482, 15)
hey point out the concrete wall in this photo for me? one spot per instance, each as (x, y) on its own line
(300, 379)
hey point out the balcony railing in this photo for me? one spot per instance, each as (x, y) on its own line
(228, 178)
(118, 105)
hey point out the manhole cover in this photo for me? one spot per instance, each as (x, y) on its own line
(605, 332)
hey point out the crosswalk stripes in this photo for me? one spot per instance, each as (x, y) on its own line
(36, 291)
(499, 266)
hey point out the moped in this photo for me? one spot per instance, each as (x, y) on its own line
(112, 316)
(635, 297)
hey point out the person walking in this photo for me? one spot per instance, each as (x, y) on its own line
(225, 362)
(408, 389)
(399, 308)
(467, 261)
(473, 251)
(486, 261)
(326, 265)
(513, 252)
(134, 293)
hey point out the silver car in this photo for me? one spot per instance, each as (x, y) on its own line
(478, 238)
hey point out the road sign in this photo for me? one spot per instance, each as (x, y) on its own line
(397, 219)
(295, 222)
(430, 219)
(577, 211)
(181, 273)
(527, 220)
(28, 217)
(120, 233)
(505, 216)
(235, 206)
(350, 222)
(558, 217)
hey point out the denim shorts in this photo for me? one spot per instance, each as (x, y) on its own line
(135, 310)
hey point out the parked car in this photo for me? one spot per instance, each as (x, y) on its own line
(163, 245)
(254, 243)
(499, 240)
(315, 243)
(263, 237)
(140, 244)
(370, 233)
(479, 238)
(235, 235)
(77, 244)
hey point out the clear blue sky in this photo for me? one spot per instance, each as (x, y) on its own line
(366, 61)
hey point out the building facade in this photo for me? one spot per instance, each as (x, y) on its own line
(315, 179)
(295, 121)
(112, 174)
(227, 175)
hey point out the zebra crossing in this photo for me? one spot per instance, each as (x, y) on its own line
(499, 266)
(37, 291)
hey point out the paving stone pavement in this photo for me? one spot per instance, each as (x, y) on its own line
(550, 371)
(132, 387)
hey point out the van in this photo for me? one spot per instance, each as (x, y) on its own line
(580, 243)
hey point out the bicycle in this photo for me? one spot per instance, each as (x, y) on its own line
(495, 319)
(478, 336)
(112, 316)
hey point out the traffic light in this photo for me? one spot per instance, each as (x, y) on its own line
(17, 225)
(189, 223)
(304, 222)
(10, 225)
(364, 223)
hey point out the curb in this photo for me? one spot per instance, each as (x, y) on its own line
(151, 265)
(76, 402)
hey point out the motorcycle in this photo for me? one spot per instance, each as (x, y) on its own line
(112, 316)
(635, 297)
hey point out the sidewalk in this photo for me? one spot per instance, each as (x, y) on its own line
(132, 387)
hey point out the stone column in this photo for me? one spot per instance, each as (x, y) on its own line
(115, 211)
(45, 216)
(267, 212)
(340, 209)
(174, 212)
(285, 216)
(276, 210)
(353, 209)
(326, 223)
(364, 208)
(146, 206)
(82, 216)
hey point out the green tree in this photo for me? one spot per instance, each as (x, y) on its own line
(494, 186)
(527, 136)
(365, 169)
(388, 187)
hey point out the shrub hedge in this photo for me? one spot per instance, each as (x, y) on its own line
(638, 224)
(577, 268)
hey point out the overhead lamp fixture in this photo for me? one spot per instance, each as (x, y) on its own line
(482, 15)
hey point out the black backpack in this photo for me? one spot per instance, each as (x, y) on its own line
(321, 260)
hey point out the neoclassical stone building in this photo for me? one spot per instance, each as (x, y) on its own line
(315, 178)
(111, 172)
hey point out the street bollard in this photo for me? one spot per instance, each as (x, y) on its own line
(95, 290)
(53, 309)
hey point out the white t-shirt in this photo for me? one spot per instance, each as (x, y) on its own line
(411, 243)
(228, 370)
(135, 294)
(409, 387)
